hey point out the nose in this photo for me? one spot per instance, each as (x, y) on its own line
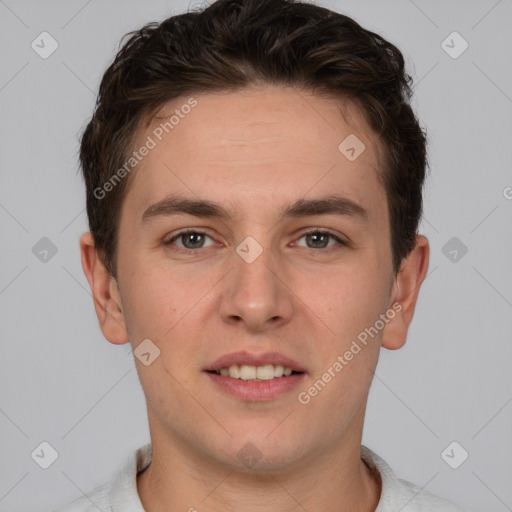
(257, 294)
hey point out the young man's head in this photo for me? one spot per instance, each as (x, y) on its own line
(254, 183)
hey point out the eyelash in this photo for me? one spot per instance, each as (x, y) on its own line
(305, 233)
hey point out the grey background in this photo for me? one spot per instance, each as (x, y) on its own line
(63, 383)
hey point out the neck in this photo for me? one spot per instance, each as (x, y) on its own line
(179, 478)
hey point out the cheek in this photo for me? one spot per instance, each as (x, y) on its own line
(153, 304)
(163, 305)
(348, 300)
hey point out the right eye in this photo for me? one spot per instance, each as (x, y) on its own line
(190, 239)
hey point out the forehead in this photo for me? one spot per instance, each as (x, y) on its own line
(242, 145)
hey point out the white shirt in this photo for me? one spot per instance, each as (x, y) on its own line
(120, 495)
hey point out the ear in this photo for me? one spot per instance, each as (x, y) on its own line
(405, 292)
(107, 300)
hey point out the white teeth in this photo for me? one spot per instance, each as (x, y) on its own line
(234, 371)
(265, 372)
(246, 372)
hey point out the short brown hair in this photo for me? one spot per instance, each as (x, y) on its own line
(234, 44)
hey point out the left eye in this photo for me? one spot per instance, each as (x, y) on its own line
(320, 239)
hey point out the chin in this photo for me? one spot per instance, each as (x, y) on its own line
(257, 454)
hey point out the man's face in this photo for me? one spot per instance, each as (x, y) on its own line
(256, 283)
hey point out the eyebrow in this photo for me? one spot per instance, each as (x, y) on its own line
(332, 204)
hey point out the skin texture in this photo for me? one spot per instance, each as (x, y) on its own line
(254, 152)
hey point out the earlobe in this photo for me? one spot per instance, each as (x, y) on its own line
(107, 300)
(405, 292)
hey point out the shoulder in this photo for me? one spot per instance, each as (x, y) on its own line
(397, 494)
(119, 493)
(417, 500)
(97, 499)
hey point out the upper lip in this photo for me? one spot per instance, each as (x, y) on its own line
(244, 357)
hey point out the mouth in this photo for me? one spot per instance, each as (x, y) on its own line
(255, 373)
(255, 377)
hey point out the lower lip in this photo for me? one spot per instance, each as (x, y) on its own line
(256, 391)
